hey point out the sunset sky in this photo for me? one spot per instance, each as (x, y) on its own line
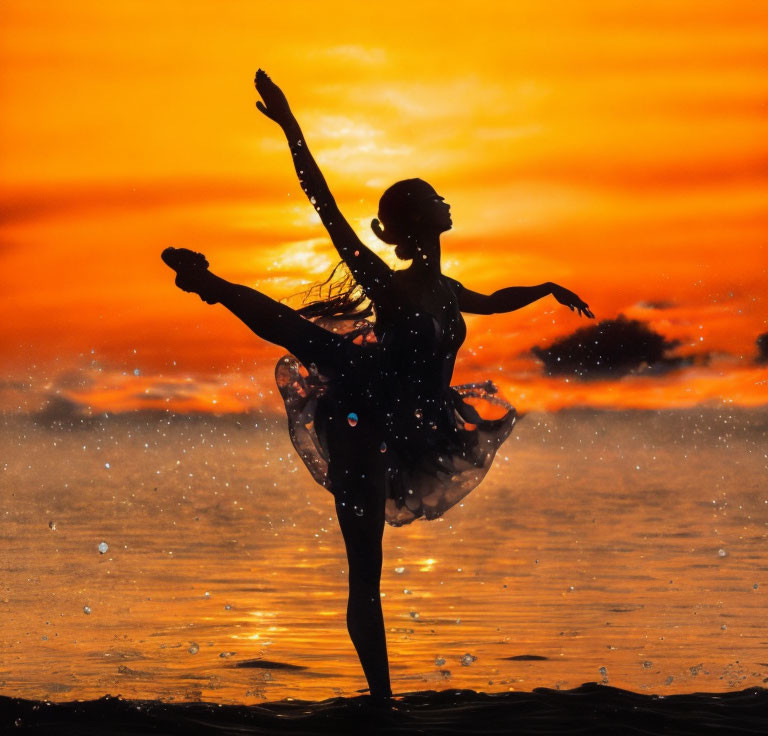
(617, 148)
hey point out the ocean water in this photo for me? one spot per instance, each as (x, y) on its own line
(192, 558)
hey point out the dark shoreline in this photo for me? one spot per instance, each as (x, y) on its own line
(588, 709)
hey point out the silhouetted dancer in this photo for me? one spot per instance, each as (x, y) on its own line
(370, 407)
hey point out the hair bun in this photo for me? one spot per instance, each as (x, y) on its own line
(379, 233)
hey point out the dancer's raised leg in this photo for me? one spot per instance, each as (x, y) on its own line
(269, 319)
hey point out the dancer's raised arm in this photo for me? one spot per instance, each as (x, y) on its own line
(517, 297)
(366, 267)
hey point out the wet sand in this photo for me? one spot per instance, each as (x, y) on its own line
(589, 709)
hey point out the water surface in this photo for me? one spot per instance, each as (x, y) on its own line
(623, 548)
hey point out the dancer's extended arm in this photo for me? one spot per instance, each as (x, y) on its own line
(517, 297)
(367, 268)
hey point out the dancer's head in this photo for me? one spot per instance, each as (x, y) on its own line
(410, 210)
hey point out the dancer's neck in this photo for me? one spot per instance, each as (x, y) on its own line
(426, 262)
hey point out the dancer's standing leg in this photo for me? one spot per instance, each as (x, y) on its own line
(362, 526)
(356, 460)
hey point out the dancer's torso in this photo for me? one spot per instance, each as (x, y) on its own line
(409, 405)
(420, 331)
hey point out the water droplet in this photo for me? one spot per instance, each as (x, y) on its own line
(467, 660)
(357, 252)
(723, 627)
(86, 610)
(721, 553)
(754, 587)
(359, 511)
(106, 465)
(352, 419)
(399, 570)
(647, 665)
(604, 672)
(227, 607)
(439, 661)
(52, 526)
(103, 547)
(226, 655)
(418, 414)
(193, 648)
(414, 615)
(383, 447)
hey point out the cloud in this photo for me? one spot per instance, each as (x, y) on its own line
(76, 199)
(74, 380)
(348, 54)
(610, 349)
(10, 385)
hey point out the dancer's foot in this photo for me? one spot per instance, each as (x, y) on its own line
(192, 272)
(380, 704)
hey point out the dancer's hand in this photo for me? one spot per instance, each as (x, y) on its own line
(275, 105)
(571, 300)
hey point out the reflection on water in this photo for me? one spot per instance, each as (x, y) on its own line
(194, 559)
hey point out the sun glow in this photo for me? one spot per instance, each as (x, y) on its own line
(567, 151)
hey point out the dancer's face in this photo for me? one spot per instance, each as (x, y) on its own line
(436, 212)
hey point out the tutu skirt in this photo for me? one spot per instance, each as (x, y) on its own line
(427, 460)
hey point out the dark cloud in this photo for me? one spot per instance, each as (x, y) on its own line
(160, 396)
(762, 348)
(657, 305)
(612, 348)
(59, 409)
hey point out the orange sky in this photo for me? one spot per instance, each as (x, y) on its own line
(617, 148)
